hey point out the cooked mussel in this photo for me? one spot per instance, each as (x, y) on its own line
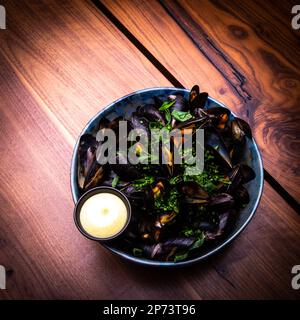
(197, 99)
(165, 218)
(164, 249)
(138, 123)
(224, 221)
(124, 169)
(215, 142)
(221, 202)
(247, 173)
(193, 193)
(151, 113)
(241, 196)
(90, 172)
(240, 129)
(219, 117)
(158, 188)
(141, 197)
(179, 105)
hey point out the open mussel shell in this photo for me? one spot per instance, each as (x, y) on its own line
(240, 174)
(221, 202)
(241, 196)
(159, 187)
(240, 129)
(144, 194)
(219, 117)
(197, 102)
(124, 169)
(247, 172)
(151, 113)
(164, 249)
(90, 172)
(102, 124)
(215, 142)
(225, 222)
(167, 161)
(235, 177)
(138, 123)
(146, 228)
(194, 97)
(197, 110)
(179, 105)
(95, 176)
(165, 219)
(193, 193)
(86, 157)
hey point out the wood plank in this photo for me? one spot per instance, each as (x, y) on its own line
(243, 53)
(71, 62)
(48, 92)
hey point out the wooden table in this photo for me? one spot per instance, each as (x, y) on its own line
(62, 61)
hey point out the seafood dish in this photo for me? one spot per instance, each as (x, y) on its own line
(175, 212)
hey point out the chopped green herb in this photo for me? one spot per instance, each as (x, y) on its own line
(198, 243)
(168, 115)
(175, 180)
(181, 115)
(188, 232)
(115, 181)
(155, 125)
(180, 257)
(166, 105)
(137, 252)
(140, 183)
(168, 203)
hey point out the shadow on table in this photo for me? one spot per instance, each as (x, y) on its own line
(156, 276)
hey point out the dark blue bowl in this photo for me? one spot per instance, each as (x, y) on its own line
(125, 106)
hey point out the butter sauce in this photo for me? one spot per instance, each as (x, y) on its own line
(103, 215)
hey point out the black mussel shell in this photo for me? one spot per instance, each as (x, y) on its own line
(192, 189)
(163, 249)
(94, 176)
(245, 127)
(235, 177)
(165, 219)
(197, 100)
(214, 140)
(157, 102)
(86, 157)
(237, 151)
(151, 113)
(240, 129)
(221, 202)
(103, 123)
(247, 173)
(124, 169)
(194, 96)
(241, 196)
(137, 122)
(141, 198)
(219, 117)
(221, 228)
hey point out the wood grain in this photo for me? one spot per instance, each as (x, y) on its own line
(243, 53)
(60, 62)
(71, 63)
